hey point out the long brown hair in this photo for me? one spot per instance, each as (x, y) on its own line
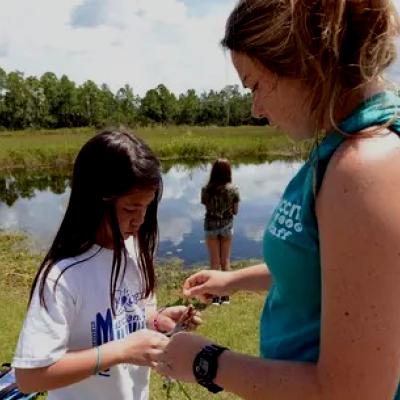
(221, 174)
(108, 166)
(334, 46)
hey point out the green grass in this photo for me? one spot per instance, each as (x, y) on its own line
(57, 148)
(235, 326)
(16, 271)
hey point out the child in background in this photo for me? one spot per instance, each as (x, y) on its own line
(85, 336)
(221, 199)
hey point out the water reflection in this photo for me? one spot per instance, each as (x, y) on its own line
(23, 183)
(34, 202)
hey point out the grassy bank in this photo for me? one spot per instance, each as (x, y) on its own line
(59, 147)
(235, 326)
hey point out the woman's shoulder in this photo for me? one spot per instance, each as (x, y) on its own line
(366, 155)
(363, 166)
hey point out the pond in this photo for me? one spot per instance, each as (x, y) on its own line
(34, 202)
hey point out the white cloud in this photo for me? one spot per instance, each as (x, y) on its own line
(27, 215)
(174, 229)
(180, 207)
(140, 42)
(254, 231)
(264, 181)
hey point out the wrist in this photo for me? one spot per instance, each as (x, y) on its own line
(97, 367)
(224, 361)
(121, 352)
(231, 281)
(112, 353)
(155, 320)
(150, 319)
(205, 367)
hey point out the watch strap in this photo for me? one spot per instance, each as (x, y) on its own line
(210, 352)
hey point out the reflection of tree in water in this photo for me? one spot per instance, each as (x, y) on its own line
(23, 183)
(189, 166)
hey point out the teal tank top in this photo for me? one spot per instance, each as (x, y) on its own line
(290, 321)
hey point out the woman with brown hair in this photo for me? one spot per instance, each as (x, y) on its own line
(330, 328)
(221, 200)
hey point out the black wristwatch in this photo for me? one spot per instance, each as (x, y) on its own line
(205, 366)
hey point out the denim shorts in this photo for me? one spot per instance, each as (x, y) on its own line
(224, 231)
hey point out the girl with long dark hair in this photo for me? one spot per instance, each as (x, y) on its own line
(84, 336)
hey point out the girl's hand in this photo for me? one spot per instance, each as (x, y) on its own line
(204, 285)
(176, 361)
(142, 347)
(168, 318)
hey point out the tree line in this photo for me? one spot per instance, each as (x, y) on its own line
(52, 102)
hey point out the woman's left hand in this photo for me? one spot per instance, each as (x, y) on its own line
(168, 318)
(177, 359)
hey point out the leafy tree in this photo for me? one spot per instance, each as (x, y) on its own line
(37, 109)
(213, 110)
(49, 102)
(189, 106)
(3, 90)
(238, 106)
(50, 85)
(91, 109)
(15, 101)
(68, 110)
(159, 105)
(128, 105)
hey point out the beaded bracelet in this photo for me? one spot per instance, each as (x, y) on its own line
(155, 320)
(98, 360)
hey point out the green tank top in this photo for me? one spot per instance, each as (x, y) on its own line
(290, 321)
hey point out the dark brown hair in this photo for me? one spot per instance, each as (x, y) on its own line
(334, 46)
(108, 166)
(221, 174)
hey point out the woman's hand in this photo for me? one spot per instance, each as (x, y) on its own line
(170, 316)
(176, 361)
(204, 285)
(143, 347)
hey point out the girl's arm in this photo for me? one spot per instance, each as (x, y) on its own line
(72, 368)
(235, 208)
(205, 284)
(139, 348)
(358, 215)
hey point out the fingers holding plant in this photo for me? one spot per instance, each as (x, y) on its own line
(177, 318)
(204, 285)
(143, 347)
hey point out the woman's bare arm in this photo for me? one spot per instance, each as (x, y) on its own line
(358, 214)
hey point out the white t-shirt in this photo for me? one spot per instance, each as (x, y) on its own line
(79, 316)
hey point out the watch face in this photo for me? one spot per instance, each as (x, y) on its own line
(202, 367)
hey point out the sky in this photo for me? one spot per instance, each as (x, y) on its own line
(138, 42)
